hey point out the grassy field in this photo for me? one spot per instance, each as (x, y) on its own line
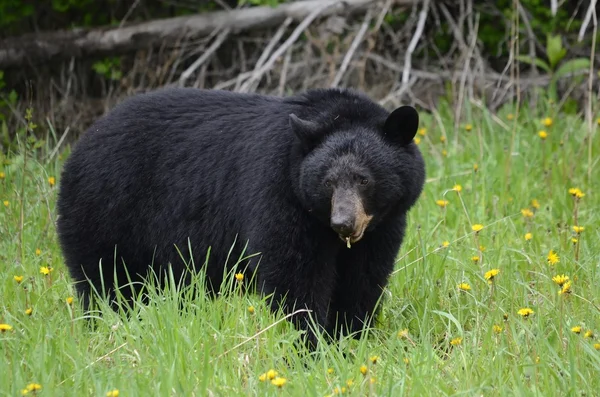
(466, 312)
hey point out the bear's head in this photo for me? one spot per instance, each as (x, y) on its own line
(356, 170)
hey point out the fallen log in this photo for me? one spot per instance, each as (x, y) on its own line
(42, 47)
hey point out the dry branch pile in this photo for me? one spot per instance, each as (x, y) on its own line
(304, 44)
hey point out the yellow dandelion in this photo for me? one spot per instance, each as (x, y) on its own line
(18, 279)
(406, 360)
(350, 382)
(372, 379)
(38, 251)
(29, 311)
(578, 229)
(543, 134)
(403, 333)
(510, 116)
(475, 259)
(547, 122)
(5, 328)
(456, 341)
(579, 194)
(262, 377)
(566, 289)
(573, 191)
(363, 370)
(51, 181)
(6, 203)
(552, 258)
(279, 382)
(271, 374)
(491, 274)
(442, 203)
(45, 270)
(457, 188)
(464, 287)
(525, 312)
(598, 121)
(560, 279)
(374, 359)
(468, 127)
(574, 240)
(239, 277)
(481, 248)
(442, 139)
(589, 334)
(422, 131)
(113, 393)
(535, 204)
(527, 213)
(475, 167)
(576, 329)
(597, 345)
(528, 236)
(445, 244)
(69, 300)
(2, 175)
(417, 140)
(444, 152)
(497, 329)
(330, 371)
(477, 227)
(251, 309)
(33, 387)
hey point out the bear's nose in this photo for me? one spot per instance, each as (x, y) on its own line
(343, 226)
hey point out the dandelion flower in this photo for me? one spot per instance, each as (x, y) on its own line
(491, 274)
(477, 227)
(456, 341)
(5, 327)
(445, 244)
(475, 258)
(579, 194)
(442, 203)
(38, 252)
(33, 387)
(271, 374)
(442, 139)
(574, 240)
(444, 152)
(573, 191)
(525, 312)
(597, 345)
(528, 236)
(113, 393)
(262, 377)
(51, 181)
(2, 175)
(475, 167)
(350, 382)
(566, 289)
(363, 370)
(69, 300)
(552, 258)
(29, 311)
(417, 140)
(560, 280)
(330, 371)
(457, 188)
(239, 277)
(468, 127)
(374, 359)
(464, 287)
(547, 122)
(510, 116)
(45, 270)
(543, 134)
(497, 329)
(589, 334)
(6, 203)
(18, 279)
(279, 382)
(422, 131)
(527, 213)
(576, 329)
(251, 309)
(403, 333)
(535, 204)
(578, 229)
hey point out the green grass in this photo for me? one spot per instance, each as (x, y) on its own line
(219, 348)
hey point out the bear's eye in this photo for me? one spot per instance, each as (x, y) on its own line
(328, 182)
(364, 181)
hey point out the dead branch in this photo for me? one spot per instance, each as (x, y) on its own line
(37, 47)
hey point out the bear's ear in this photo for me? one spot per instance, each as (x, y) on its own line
(307, 131)
(401, 125)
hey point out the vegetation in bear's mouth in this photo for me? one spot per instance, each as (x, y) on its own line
(522, 318)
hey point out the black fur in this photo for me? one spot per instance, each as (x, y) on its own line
(179, 164)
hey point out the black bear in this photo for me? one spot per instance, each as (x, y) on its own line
(317, 184)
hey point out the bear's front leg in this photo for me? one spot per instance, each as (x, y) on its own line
(300, 274)
(363, 272)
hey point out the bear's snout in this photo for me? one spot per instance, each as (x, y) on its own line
(348, 216)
